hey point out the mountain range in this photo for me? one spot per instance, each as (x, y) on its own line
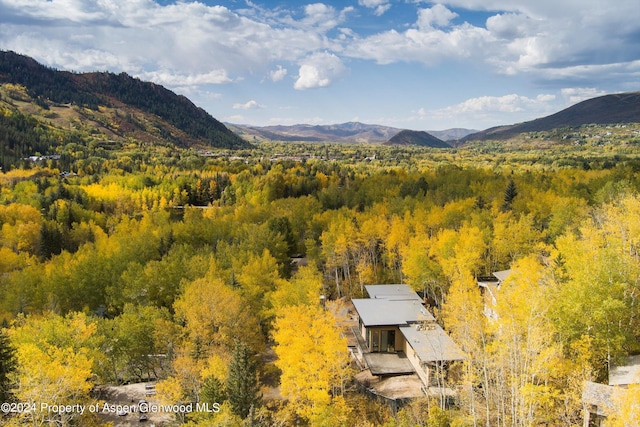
(121, 107)
(350, 132)
(602, 110)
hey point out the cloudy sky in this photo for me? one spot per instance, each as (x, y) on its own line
(406, 63)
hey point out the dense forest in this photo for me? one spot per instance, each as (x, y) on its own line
(123, 262)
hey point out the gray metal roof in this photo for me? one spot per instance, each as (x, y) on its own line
(431, 343)
(502, 275)
(388, 312)
(626, 374)
(398, 292)
(602, 396)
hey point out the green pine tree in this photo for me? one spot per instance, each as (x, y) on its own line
(509, 194)
(213, 391)
(242, 384)
(7, 366)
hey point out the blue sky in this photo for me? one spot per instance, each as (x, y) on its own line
(410, 64)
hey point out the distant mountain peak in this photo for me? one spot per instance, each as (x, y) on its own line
(419, 138)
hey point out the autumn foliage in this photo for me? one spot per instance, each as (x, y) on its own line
(152, 251)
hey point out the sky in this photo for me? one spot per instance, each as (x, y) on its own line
(410, 64)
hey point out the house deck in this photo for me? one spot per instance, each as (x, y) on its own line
(388, 363)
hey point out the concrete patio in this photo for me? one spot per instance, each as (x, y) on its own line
(398, 387)
(388, 364)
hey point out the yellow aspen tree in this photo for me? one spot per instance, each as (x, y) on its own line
(459, 252)
(513, 238)
(337, 240)
(421, 272)
(373, 227)
(600, 271)
(54, 357)
(304, 288)
(258, 278)
(463, 319)
(20, 227)
(214, 315)
(9, 260)
(395, 241)
(628, 408)
(314, 361)
(524, 348)
(570, 374)
(188, 380)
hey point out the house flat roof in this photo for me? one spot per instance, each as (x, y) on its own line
(600, 395)
(397, 292)
(431, 343)
(502, 275)
(390, 312)
(626, 374)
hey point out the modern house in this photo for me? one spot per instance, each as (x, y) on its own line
(397, 336)
(489, 288)
(600, 401)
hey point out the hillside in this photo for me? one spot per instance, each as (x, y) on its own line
(119, 106)
(607, 109)
(453, 134)
(350, 132)
(418, 138)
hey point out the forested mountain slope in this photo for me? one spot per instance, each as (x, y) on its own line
(608, 109)
(118, 106)
(419, 138)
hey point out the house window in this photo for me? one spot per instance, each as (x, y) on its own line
(595, 420)
(388, 341)
(383, 341)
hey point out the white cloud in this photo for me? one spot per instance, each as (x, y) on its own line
(505, 104)
(319, 14)
(541, 38)
(578, 94)
(249, 105)
(379, 6)
(438, 16)
(547, 37)
(489, 110)
(278, 74)
(583, 46)
(511, 26)
(428, 47)
(317, 18)
(423, 43)
(319, 70)
(237, 118)
(172, 79)
(183, 39)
